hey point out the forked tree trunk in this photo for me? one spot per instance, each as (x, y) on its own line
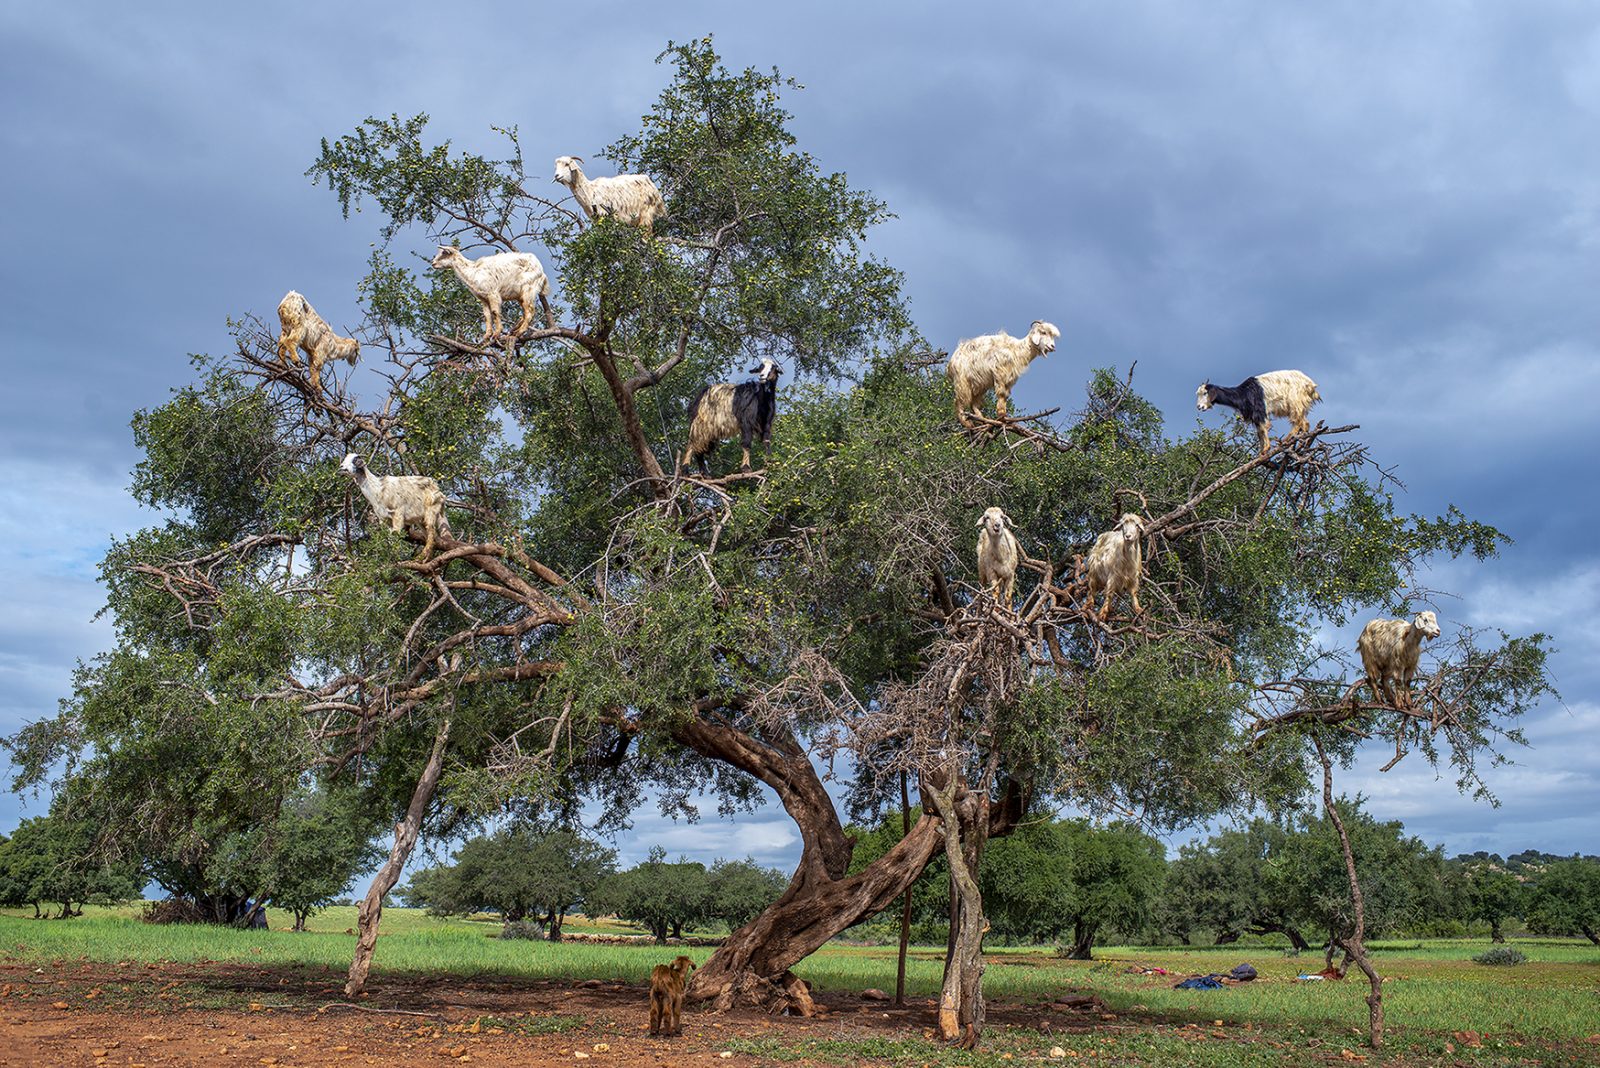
(405, 839)
(821, 900)
(1354, 946)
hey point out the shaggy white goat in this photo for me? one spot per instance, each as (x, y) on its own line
(998, 553)
(630, 198)
(402, 500)
(499, 277)
(1286, 394)
(1116, 563)
(303, 328)
(995, 361)
(1390, 649)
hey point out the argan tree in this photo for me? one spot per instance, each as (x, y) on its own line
(596, 629)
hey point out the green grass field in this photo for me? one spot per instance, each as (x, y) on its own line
(1552, 1003)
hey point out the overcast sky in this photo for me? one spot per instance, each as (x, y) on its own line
(1402, 200)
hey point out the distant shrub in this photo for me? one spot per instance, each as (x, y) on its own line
(174, 910)
(522, 929)
(1501, 955)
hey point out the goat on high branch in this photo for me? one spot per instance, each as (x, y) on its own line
(995, 361)
(403, 501)
(497, 278)
(1390, 650)
(724, 410)
(629, 198)
(1261, 398)
(303, 328)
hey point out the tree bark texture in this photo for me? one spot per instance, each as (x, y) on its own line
(405, 840)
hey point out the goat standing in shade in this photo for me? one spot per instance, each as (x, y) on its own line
(1390, 649)
(995, 361)
(723, 410)
(1116, 563)
(1287, 394)
(998, 554)
(302, 328)
(401, 500)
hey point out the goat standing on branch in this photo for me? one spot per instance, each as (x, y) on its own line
(499, 277)
(1116, 562)
(629, 198)
(998, 553)
(303, 328)
(402, 500)
(720, 411)
(1390, 649)
(995, 361)
(666, 996)
(1259, 398)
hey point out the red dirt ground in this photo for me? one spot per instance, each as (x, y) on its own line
(127, 1015)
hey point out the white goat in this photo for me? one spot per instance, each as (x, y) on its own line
(629, 198)
(499, 277)
(1285, 394)
(1390, 649)
(402, 500)
(1116, 563)
(998, 553)
(303, 328)
(995, 361)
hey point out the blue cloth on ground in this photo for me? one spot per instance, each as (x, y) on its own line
(1204, 982)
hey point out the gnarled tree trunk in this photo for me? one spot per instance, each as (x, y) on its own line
(966, 824)
(821, 900)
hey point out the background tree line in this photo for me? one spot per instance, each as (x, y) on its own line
(1064, 881)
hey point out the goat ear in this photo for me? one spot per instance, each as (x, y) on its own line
(980, 522)
(1007, 518)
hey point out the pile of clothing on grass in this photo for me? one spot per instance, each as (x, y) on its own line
(1242, 973)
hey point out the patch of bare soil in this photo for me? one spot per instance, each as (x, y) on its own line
(120, 1015)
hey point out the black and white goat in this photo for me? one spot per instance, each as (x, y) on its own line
(1288, 394)
(720, 411)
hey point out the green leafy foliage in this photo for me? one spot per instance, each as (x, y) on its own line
(519, 871)
(661, 896)
(1566, 899)
(50, 860)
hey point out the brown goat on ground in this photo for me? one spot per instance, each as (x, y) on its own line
(666, 996)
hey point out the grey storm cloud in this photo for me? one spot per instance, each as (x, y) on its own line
(1402, 200)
